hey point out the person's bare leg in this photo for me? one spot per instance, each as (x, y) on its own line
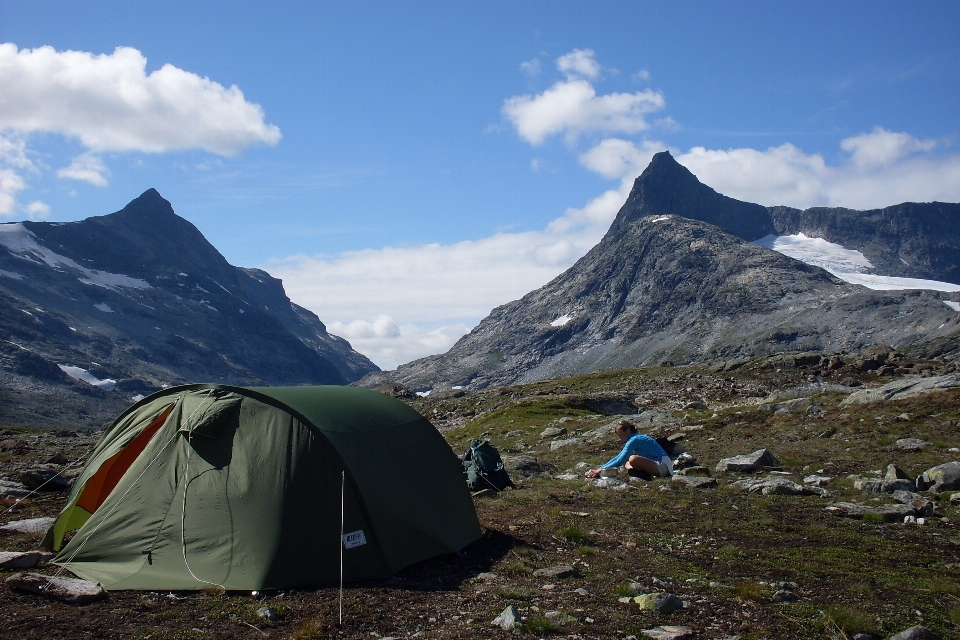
(639, 463)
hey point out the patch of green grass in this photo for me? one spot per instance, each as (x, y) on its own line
(586, 550)
(575, 535)
(750, 590)
(849, 621)
(540, 626)
(516, 592)
(728, 553)
(626, 591)
(873, 518)
(953, 615)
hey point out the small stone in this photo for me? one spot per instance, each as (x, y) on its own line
(909, 520)
(553, 432)
(508, 618)
(916, 633)
(70, 590)
(746, 462)
(699, 471)
(581, 591)
(19, 560)
(516, 433)
(557, 444)
(696, 482)
(660, 602)
(31, 525)
(267, 613)
(863, 636)
(955, 498)
(548, 587)
(669, 633)
(784, 596)
(558, 573)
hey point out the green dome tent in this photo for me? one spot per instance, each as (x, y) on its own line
(244, 488)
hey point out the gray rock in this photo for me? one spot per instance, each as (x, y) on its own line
(21, 560)
(703, 472)
(685, 460)
(817, 480)
(12, 489)
(31, 525)
(746, 462)
(870, 485)
(895, 473)
(697, 482)
(916, 633)
(660, 602)
(267, 613)
(71, 590)
(668, 632)
(508, 618)
(906, 387)
(525, 465)
(557, 444)
(44, 480)
(955, 498)
(855, 510)
(553, 432)
(784, 596)
(516, 433)
(863, 636)
(558, 572)
(889, 486)
(943, 477)
(912, 444)
(778, 486)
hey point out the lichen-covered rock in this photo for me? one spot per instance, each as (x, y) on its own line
(697, 482)
(916, 633)
(508, 618)
(943, 477)
(665, 603)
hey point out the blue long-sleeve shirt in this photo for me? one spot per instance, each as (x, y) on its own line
(637, 445)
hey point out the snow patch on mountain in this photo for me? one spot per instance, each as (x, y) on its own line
(20, 242)
(847, 264)
(562, 320)
(79, 373)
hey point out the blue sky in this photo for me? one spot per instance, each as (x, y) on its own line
(407, 166)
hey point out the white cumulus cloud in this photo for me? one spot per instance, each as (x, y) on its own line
(572, 106)
(579, 62)
(882, 147)
(86, 167)
(37, 210)
(110, 103)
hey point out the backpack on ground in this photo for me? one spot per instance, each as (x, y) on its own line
(484, 468)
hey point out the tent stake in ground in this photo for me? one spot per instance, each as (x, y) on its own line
(261, 467)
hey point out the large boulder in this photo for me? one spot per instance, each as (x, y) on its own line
(943, 477)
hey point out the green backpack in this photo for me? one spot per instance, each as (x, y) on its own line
(484, 468)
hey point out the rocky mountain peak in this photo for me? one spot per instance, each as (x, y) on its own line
(666, 187)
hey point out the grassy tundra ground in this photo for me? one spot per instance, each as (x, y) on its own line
(721, 550)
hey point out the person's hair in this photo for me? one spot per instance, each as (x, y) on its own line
(626, 425)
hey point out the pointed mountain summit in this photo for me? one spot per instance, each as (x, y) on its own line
(666, 187)
(662, 286)
(124, 304)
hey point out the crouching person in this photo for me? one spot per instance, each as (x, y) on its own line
(641, 456)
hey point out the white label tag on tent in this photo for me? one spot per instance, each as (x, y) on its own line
(354, 539)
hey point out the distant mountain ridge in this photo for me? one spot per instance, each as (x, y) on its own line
(141, 298)
(671, 282)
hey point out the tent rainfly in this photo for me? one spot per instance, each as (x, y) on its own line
(244, 488)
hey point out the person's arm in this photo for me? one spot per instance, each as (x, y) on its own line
(621, 458)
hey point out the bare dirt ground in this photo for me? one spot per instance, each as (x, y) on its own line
(724, 552)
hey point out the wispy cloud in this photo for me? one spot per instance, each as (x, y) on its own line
(88, 168)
